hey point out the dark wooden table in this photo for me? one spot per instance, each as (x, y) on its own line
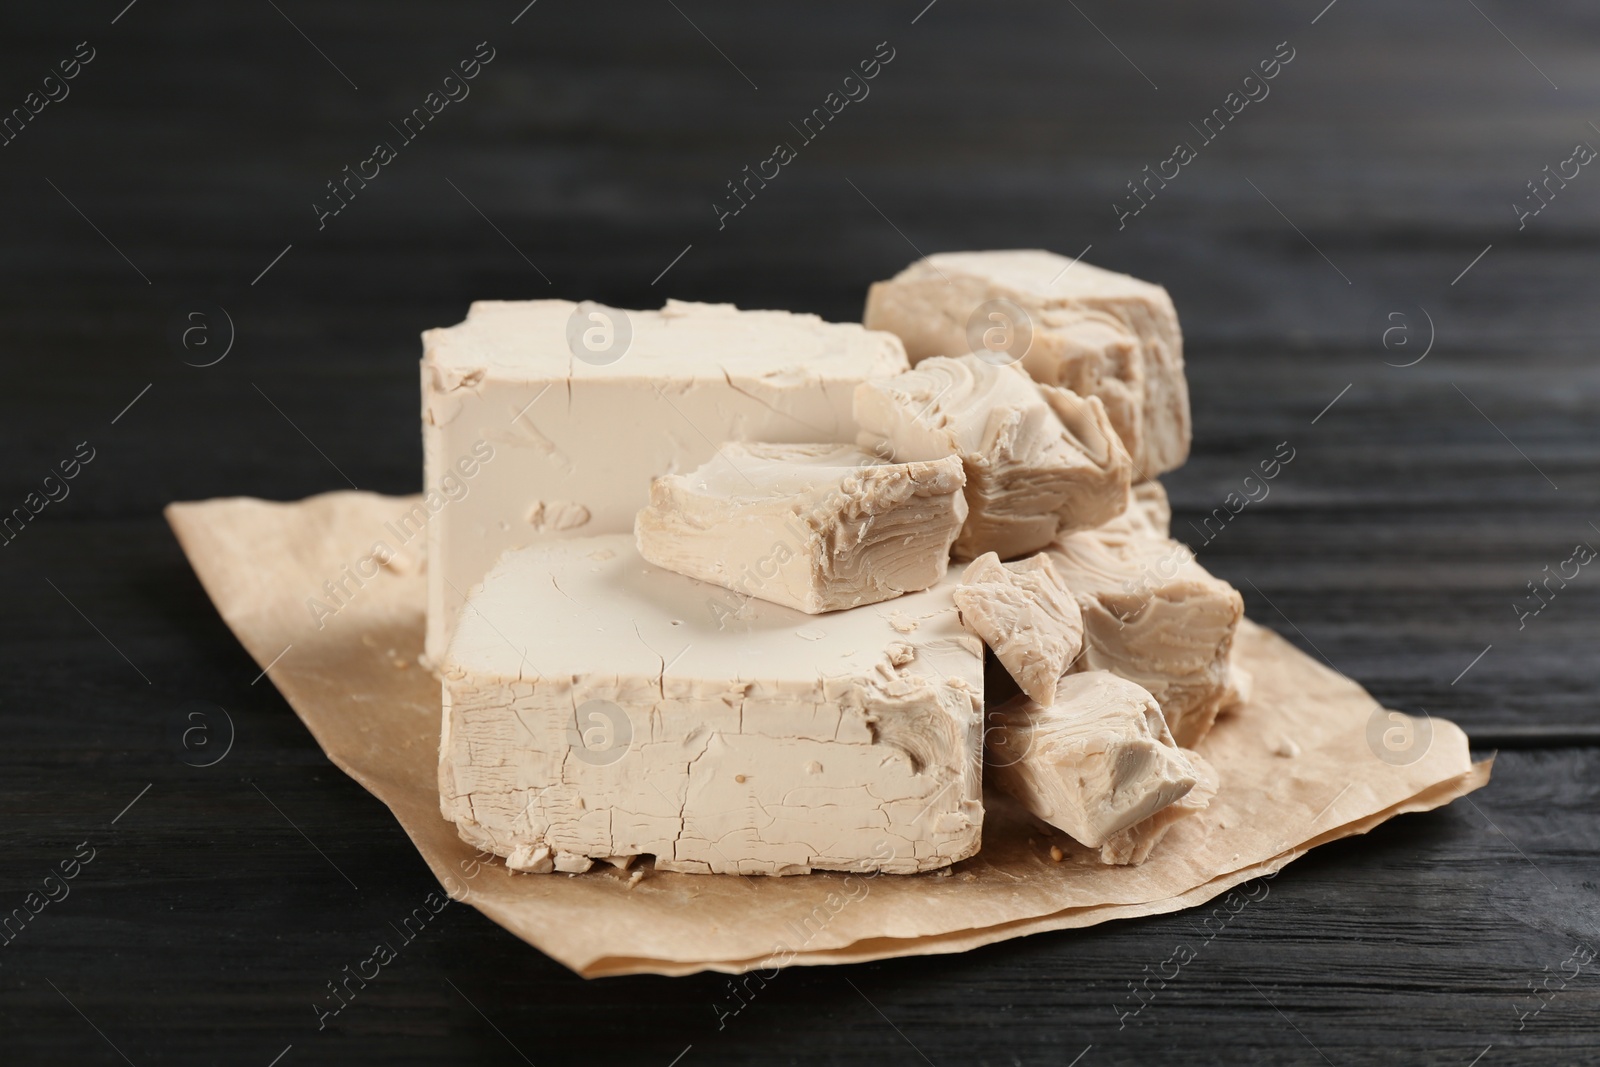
(1371, 190)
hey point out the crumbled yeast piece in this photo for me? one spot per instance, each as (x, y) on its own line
(572, 862)
(530, 859)
(1029, 478)
(1151, 498)
(1135, 844)
(1094, 331)
(1153, 615)
(816, 527)
(1024, 612)
(598, 706)
(1089, 428)
(1094, 763)
(545, 419)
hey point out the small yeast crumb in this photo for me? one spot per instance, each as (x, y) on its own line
(901, 622)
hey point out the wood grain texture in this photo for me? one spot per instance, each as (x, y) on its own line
(1395, 545)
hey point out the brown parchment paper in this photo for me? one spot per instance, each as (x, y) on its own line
(356, 684)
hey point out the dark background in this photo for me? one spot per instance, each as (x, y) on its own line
(1397, 545)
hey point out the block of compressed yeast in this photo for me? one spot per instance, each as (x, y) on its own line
(815, 527)
(1026, 614)
(1151, 508)
(1095, 762)
(1241, 684)
(597, 706)
(1153, 615)
(1094, 331)
(546, 419)
(1135, 844)
(1029, 478)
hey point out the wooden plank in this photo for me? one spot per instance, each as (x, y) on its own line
(1397, 543)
